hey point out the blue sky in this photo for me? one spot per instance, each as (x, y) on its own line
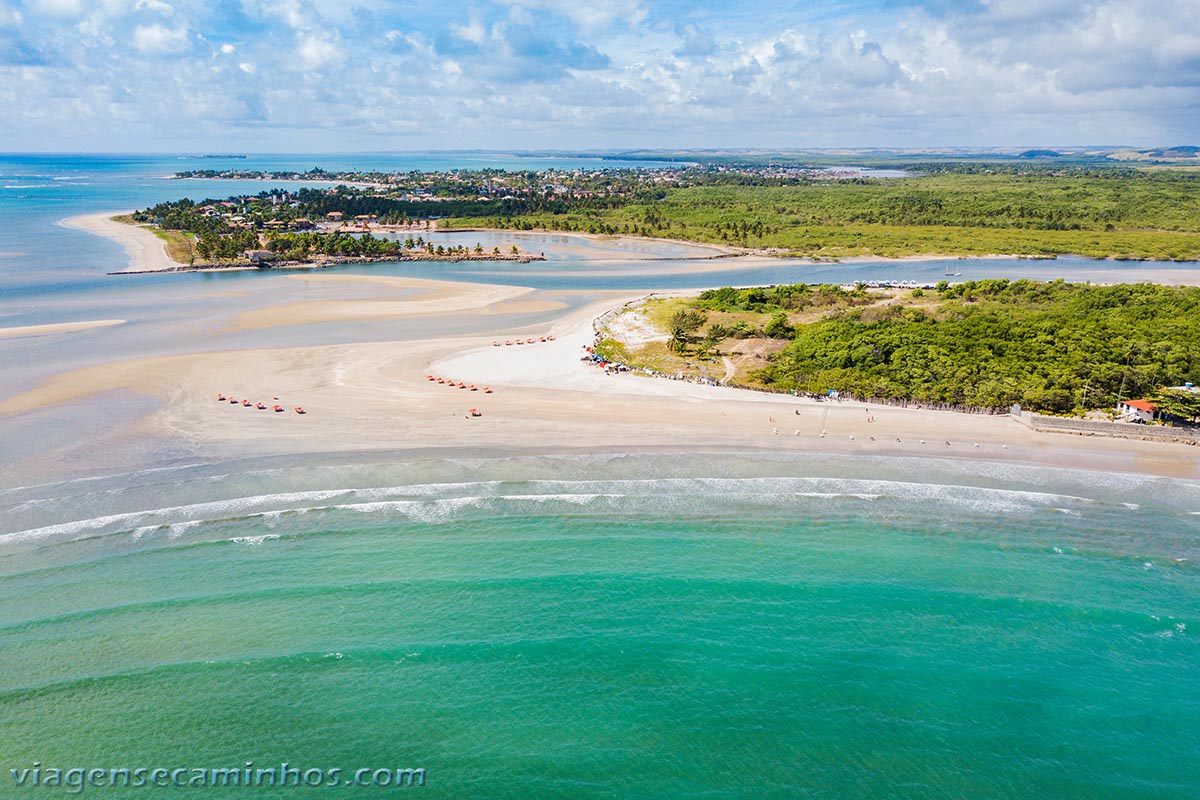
(296, 75)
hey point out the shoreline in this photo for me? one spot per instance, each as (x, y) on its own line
(148, 253)
(145, 251)
(378, 396)
(731, 250)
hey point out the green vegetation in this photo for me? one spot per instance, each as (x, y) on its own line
(1053, 347)
(683, 324)
(1178, 403)
(1034, 205)
(226, 230)
(302, 246)
(961, 210)
(610, 349)
(180, 245)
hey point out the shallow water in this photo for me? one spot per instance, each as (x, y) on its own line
(649, 626)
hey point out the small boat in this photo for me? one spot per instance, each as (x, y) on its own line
(277, 407)
(441, 380)
(461, 385)
(220, 397)
(233, 400)
(549, 338)
(472, 387)
(300, 410)
(495, 344)
(486, 390)
(260, 406)
(430, 378)
(475, 412)
(520, 341)
(542, 339)
(247, 403)
(507, 342)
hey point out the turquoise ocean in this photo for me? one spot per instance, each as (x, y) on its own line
(599, 624)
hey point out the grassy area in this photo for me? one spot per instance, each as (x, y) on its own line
(731, 343)
(180, 244)
(1133, 215)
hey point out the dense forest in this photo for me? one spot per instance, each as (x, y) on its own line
(1054, 347)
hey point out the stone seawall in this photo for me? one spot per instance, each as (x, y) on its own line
(1090, 427)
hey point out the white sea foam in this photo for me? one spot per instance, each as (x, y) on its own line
(433, 501)
(205, 511)
(255, 541)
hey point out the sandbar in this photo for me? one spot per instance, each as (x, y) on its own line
(147, 252)
(411, 297)
(57, 327)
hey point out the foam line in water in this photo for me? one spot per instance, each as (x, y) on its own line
(463, 495)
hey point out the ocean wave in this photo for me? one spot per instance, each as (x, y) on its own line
(436, 501)
(146, 517)
(255, 541)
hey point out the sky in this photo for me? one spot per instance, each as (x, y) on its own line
(376, 75)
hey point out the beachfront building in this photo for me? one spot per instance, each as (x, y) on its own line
(1138, 410)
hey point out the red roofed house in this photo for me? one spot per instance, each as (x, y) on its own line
(1138, 410)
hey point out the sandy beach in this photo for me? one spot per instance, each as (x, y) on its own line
(146, 251)
(376, 395)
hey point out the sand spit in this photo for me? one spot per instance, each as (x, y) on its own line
(147, 252)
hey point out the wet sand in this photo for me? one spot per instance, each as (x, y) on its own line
(376, 396)
(404, 297)
(57, 327)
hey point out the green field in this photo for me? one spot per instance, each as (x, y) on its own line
(1102, 214)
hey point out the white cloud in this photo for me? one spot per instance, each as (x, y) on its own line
(58, 8)
(316, 52)
(474, 31)
(590, 15)
(542, 73)
(158, 39)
